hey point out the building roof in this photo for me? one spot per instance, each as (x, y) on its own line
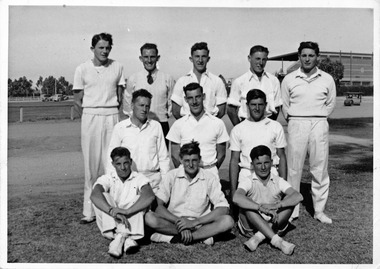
(293, 56)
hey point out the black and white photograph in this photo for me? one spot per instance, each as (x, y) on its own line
(174, 134)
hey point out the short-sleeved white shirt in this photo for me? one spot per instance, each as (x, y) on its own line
(208, 131)
(269, 84)
(261, 194)
(191, 198)
(213, 88)
(248, 134)
(125, 194)
(99, 84)
(147, 145)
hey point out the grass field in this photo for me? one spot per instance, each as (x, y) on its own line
(43, 215)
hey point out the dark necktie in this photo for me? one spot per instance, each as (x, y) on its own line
(150, 78)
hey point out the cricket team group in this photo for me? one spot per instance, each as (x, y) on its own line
(132, 190)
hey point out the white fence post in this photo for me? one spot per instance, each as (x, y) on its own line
(72, 113)
(21, 114)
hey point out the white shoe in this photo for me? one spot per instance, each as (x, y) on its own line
(322, 218)
(254, 241)
(209, 241)
(110, 235)
(129, 244)
(286, 247)
(116, 246)
(161, 238)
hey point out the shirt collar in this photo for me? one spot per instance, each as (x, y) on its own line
(253, 75)
(129, 123)
(199, 176)
(304, 76)
(154, 73)
(190, 116)
(192, 74)
(131, 176)
(254, 177)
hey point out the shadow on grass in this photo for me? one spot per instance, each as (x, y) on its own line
(305, 190)
(352, 158)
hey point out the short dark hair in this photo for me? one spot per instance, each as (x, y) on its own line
(149, 46)
(190, 149)
(258, 151)
(199, 46)
(256, 94)
(258, 48)
(142, 93)
(308, 45)
(101, 36)
(120, 152)
(192, 86)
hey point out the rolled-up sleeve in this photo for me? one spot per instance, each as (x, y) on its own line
(215, 193)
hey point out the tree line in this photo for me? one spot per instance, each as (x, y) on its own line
(50, 85)
(23, 87)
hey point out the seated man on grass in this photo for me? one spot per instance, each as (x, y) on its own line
(266, 202)
(120, 200)
(184, 199)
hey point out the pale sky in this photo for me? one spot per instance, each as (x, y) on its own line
(53, 40)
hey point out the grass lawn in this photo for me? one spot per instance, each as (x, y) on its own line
(45, 229)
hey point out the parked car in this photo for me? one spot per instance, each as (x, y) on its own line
(46, 98)
(353, 98)
(57, 97)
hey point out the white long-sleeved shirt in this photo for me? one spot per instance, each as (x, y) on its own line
(308, 97)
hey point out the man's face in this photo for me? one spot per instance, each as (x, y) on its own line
(191, 164)
(256, 108)
(308, 59)
(140, 108)
(200, 58)
(258, 60)
(262, 166)
(149, 58)
(122, 166)
(195, 100)
(101, 51)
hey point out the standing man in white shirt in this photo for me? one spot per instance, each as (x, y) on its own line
(200, 126)
(213, 86)
(255, 78)
(98, 86)
(309, 97)
(143, 137)
(159, 84)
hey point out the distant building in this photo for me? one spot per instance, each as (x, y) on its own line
(358, 67)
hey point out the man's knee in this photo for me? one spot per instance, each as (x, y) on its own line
(226, 223)
(151, 220)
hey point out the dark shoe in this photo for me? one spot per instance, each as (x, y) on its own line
(87, 220)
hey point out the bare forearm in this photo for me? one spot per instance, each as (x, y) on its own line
(146, 198)
(210, 217)
(165, 214)
(233, 114)
(234, 175)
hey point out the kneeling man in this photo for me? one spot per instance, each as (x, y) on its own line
(185, 198)
(263, 211)
(120, 200)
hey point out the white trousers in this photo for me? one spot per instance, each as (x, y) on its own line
(96, 131)
(309, 136)
(107, 223)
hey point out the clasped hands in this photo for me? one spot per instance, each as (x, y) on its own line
(184, 227)
(270, 210)
(120, 215)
